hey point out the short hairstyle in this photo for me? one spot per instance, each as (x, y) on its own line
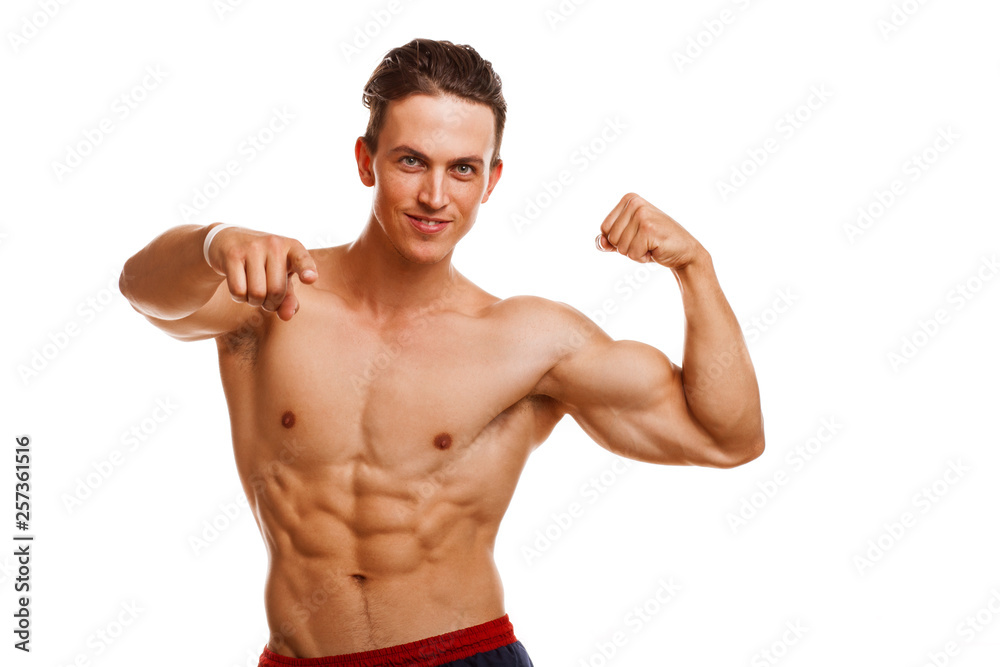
(433, 67)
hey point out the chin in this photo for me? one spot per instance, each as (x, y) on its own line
(420, 253)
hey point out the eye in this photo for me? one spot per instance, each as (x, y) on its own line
(468, 169)
(405, 159)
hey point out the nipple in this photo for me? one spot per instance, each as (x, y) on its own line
(442, 441)
(288, 419)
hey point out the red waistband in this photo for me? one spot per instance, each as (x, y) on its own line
(429, 652)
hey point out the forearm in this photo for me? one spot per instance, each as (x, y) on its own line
(169, 278)
(719, 380)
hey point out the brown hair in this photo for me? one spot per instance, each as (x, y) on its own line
(433, 67)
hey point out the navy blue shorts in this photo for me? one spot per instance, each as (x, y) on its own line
(490, 644)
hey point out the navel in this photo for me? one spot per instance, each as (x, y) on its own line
(442, 441)
(288, 419)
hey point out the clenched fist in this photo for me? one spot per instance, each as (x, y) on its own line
(640, 231)
(259, 266)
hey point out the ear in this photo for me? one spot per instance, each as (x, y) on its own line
(364, 159)
(494, 177)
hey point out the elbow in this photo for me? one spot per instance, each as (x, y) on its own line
(123, 285)
(126, 285)
(124, 281)
(745, 444)
(733, 452)
(743, 452)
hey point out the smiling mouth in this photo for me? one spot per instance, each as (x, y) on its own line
(428, 221)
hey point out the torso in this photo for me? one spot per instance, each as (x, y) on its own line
(379, 459)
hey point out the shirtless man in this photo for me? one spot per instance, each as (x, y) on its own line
(383, 406)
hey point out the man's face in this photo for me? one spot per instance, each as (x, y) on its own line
(432, 163)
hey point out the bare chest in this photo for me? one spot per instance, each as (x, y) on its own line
(445, 394)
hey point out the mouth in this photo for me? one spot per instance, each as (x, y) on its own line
(427, 225)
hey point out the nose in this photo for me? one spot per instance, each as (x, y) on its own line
(433, 191)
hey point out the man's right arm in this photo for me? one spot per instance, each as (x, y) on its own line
(170, 283)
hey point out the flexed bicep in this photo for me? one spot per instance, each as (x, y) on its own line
(628, 396)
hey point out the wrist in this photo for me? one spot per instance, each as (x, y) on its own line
(700, 261)
(213, 231)
(696, 275)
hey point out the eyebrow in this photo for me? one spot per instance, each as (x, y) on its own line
(471, 159)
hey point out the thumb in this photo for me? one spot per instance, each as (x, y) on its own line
(301, 262)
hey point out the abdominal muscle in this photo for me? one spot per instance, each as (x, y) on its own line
(386, 571)
(365, 553)
(379, 506)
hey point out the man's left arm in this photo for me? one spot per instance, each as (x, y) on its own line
(629, 397)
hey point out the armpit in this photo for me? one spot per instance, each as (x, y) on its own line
(243, 344)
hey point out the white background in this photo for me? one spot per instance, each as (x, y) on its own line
(831, 307)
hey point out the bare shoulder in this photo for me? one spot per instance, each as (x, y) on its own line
(558, 323)
(549, 332)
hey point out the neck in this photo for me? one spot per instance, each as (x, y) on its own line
(388, 283)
